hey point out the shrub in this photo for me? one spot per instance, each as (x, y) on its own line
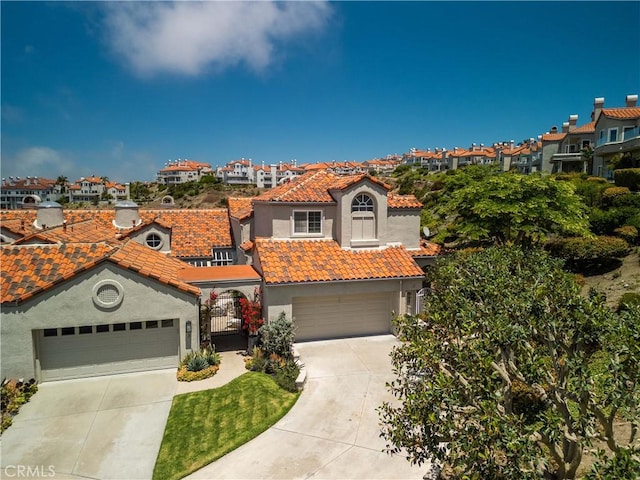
(286, 374)
(604, 222)
(627, 200)
(582, 249)
(627, 232)
(197, 363)
(627, 177)
(14, 394)
(257, 362)
(627, 300)
(597, 180)
(609, 194)
(185, 375)
(277, 336)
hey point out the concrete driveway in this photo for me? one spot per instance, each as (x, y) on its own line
(332, 432)
(102, 428)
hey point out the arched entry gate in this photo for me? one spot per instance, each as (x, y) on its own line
(221, 315)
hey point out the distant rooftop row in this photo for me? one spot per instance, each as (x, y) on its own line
(588, 148)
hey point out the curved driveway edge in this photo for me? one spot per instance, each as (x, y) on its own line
(332, 431)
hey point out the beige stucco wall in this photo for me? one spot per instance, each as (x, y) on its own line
(276, 220)
(280, 298)
(71, 304)
(403, 225)
(345, 198)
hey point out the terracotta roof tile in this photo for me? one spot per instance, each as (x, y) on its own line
(301, 261)
(403, 201)
(586, 128)
(553, 137)
(28, 270)
(622, 113)
(427, 249)
(227, 272)
(240, 208)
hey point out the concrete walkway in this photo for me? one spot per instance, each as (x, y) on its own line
(332, 432)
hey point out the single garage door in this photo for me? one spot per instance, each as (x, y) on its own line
(341, 316)
(93, 350)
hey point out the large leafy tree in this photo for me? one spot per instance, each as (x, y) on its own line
(481, 203)
(511, 373)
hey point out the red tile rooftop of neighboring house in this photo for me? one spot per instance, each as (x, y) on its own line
(302, 261)
(227, 272)
(29, 270)
(194, 232)
(625, 113)
(586, 128)
(553, 137)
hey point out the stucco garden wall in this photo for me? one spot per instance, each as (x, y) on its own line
(71, 304)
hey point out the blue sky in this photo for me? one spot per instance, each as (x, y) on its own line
(117, 89)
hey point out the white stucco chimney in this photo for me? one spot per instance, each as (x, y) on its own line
(598, 105)
(631, 100)
(127, 215)
(49, 215)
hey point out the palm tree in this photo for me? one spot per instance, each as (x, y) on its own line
(62, 181)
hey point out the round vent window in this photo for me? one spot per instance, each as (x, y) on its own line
(107, 294)
(154, 241)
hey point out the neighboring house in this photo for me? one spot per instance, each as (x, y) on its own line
(94, 189)
(336, 253)
(237, 172)
(617, 132)
(16, 192)
(85, 309)
(182, 171)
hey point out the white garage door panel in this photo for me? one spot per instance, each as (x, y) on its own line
(92, 354)
(341, 316)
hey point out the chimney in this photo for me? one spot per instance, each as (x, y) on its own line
(565, 127)
(631, 100)
(127, 215)
(49, 214)
(554, 129)
(598, 105)
(573, 120)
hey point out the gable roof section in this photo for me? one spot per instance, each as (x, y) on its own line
(586, 128)
(315, 187)
(240, 208)
(305, 261)
(553, 137)
(29, 270)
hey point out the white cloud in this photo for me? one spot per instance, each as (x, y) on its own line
(37, 161)
(189, 37)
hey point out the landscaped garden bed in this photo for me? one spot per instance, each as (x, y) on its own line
(13, 395)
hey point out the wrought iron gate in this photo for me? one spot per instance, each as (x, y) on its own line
(226, 317)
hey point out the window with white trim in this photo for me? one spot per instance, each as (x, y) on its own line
(613, 135)
(222, 257)
(362, 203)
(307, 222)
(363, 218)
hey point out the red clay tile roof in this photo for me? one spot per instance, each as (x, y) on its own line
(586, 128)
(625, 113)
(247, 245)
(301, 261)
(240, 208)
(427, 249)
(314, 187)
(403, 201)
(553, 137)
(194, 232)
(29, 270)
(227, 272)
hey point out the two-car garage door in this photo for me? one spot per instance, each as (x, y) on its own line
(341, 316)
(92, 350)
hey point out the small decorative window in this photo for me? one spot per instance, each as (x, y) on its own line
(102, 328)
(151, 324)
(119, 327)
(154, 241)
(362, 203)
(167, 323)
(108, 294)
(68, 331)
(85, 329)
(50, 332)
(135, 326)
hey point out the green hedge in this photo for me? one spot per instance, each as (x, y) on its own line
(627, 177)
(576, 249)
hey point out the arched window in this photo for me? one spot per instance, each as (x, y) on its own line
(363, 219)
(362, 203)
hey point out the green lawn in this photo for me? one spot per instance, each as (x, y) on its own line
(204, 426)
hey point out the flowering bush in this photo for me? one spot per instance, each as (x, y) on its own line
(251, 314)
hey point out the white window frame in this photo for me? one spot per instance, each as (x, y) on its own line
(222, 258)
(609, 134)
(155, 235)
(306, 233)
